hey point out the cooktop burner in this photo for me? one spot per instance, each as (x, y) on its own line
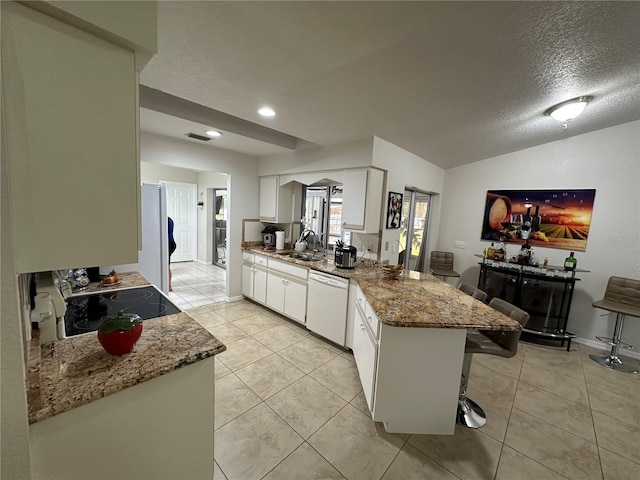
(85, 313)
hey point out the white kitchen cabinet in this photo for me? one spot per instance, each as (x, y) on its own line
(254, 277)
(410, 376)
(276, 202)
(365, 354)
(362, 199)
(70, 132)
(287, 289)
(161, 428)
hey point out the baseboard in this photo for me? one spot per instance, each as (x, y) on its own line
(607, 348)
(233, 299)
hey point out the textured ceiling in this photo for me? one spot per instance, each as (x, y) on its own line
(452, 82)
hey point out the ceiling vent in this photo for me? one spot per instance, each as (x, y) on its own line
(198, 137)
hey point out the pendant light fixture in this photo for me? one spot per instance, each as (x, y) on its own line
(565, 111)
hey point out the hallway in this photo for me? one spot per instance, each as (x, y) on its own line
(195, 284)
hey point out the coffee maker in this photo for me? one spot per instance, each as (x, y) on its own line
(269, 236)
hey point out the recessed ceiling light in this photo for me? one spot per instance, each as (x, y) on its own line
(213, 133)
(565, 111)
(266, 112)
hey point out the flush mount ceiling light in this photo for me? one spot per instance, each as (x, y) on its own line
(213, 133)
(266, 112)
(565, 111)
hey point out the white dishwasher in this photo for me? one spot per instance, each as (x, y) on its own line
(327, 306)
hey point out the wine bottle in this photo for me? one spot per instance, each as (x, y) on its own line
(570, 262)
(525, 230)
(536, 220)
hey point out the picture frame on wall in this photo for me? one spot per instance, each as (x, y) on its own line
(547, 218)
(394, 210)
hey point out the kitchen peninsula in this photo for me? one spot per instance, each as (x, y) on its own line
(408, 340)
(153, 408)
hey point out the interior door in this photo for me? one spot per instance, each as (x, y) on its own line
(181, 207)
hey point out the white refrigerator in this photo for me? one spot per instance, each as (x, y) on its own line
(153, 259)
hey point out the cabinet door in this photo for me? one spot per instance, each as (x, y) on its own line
(275, 292)
(364, 352)
(268, 198)
(354, 194)
(295, 300)
(69, 105)
(260, 285)
(247, 280)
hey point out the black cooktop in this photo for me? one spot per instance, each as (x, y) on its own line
(85, 313)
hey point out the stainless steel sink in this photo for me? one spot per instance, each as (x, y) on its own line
(301, 256)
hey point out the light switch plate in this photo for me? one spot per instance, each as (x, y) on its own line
(459, 244)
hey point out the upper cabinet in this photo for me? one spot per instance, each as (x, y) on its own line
(362, 199)
(276, 202)
(70, 121)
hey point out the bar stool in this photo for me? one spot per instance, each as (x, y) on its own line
(622, 297)
(473, 291)
(500, 343)
(441, 265)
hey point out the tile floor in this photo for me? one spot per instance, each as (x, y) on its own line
(290, 406)
(196, 284)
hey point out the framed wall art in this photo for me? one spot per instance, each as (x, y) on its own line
(546, 218)
(394, 210)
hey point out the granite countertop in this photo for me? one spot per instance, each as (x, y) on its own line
(414, 300)
(75, 371)
(126, 280)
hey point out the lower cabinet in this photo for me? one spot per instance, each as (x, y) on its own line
(287, 295)
(365, 350)
(254, 277)
(410, 376)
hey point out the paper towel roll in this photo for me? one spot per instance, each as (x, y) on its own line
(280, 240)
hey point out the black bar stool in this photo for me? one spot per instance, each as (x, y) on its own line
(621, 297)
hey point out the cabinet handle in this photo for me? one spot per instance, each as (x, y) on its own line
(361, 326)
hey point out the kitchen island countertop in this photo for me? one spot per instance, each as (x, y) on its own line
(414, 300)
(75, 371)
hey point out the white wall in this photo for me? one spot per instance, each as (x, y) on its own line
(406, 169)
(607, 160)
(243, 187)
(154, 173)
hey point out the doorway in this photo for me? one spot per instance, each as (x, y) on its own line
(181, 207)
(414, 230)
(220, 218)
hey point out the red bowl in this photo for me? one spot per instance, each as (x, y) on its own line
(120, 341)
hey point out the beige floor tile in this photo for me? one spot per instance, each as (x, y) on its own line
(254, 443)
(269, 375)
(616, 467)
(469, 453)
(209, 319)
(358, 447)
(553, 447)
(304, 464)
(514, 465)
(307, 355)
(615, 404)
(603, 377)
(306, 405)
(243, 352)
(233, 398)
(548, 407)
(278, 338)
(227, 333)
(411, 464)
(569, 363)
(494, 393)
(220, 369)
(340, 376)
(617, 436)
(326, 344)
(505, 366)
(360, 402)
(236, 310)
(554, 380)
(256, 323)
(217, 473)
